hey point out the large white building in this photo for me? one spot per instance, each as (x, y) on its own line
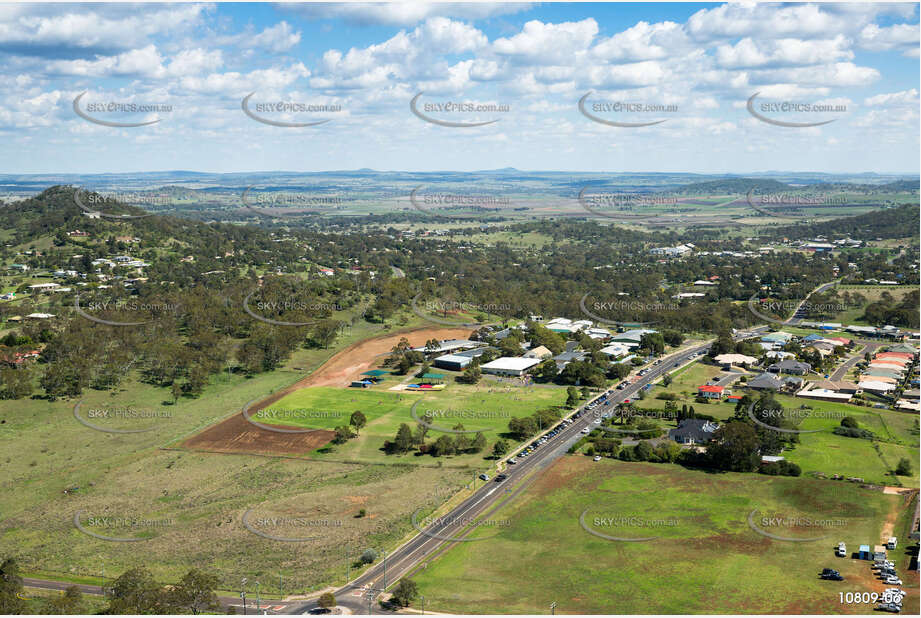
(509, 366)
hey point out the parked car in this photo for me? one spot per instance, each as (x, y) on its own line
(841, 551)
(893, 581)
(889, 607)
(831, 574)
(513, 461)
(586, 430)
(484, 477)
(597, 458)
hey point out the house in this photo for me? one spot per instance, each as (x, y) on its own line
(824, 394)
(44, 287)
(702, 282)
(876, 386)
(902, 347)
(838, 386)
(778, 354)
(19, 267)
(599, 333)
(615, 350)
(540, 352)
(567, 357)
(693, 431)
(778, 337)
(39, 316)
(678, 251)
(710, 391)
(914, 394)
(765, 381)
(740, 360)
(509, 366)
(791, 367)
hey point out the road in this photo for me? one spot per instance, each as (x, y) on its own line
(358, 596)
(841, 371)
(797, 315)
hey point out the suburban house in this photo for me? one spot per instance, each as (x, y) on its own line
(540, 352)
(765, 381)
(631, 336)
(791, 367)
(693, 431)
(739, 360)
(710, 391)
(509, 366)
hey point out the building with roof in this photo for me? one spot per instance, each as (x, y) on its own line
(740, 360)
(710, 391)
(765, 382)
(791, 367)
(778, 337)
(509, 366)
(447, 346)
(615, 350)
(540, 352)
(693, 431)
(631, 336)
(876, 386)
(824, 394)
(452, 362)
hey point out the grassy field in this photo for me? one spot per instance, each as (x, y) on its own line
(486, 406)
(706, 559)
(54, 466)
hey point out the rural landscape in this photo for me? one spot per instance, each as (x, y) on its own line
(529, 352)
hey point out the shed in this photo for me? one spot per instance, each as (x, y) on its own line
(433, 377)
(452, 362)
(360, 384)
(879, 552)
(864, 553)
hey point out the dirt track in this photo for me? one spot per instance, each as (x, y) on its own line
(237, 435)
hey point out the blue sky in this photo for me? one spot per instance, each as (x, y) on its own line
(692, 65)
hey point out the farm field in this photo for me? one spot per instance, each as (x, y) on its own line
(706, 555)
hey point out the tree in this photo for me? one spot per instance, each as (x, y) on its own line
(343, 434)
(479, 443)
(405, 592)
(327, 600)
(461, 439)
(572, 397)
(471, 375)
(849, 421)
(368, 556)
(136, 592)
(358, 420)
(736, 448)
(11, 588)
(404, 438)
(71, 602)
(499, 449)
(904, 467)
(667, 380)
(195, 592)
(443, 446)
(643, 451)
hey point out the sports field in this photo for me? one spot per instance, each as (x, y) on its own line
(706, 558)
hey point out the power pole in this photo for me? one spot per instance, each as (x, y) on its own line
(243, 594)
(258, 600)
(553, 608)
(423, 606)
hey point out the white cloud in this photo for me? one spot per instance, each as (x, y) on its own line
(748, 53)
(278, 38)
(405, 13)
(904, 97)
(899, 36)
(544, 43)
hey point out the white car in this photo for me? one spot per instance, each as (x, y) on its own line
(513, 461)
(586, 430)
(597, 421)
(597, 458)
(893, 580)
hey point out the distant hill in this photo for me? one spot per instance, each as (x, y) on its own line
(728, 186)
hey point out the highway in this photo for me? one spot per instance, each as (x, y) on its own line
(358, 596)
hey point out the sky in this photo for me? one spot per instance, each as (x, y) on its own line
(687, 72)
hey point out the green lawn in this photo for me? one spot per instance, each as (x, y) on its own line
(485, 406)
(709, 561)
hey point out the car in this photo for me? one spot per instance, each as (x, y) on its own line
(597, 421)
(842, 550)
(513, 461)
(889, 607)
(677, 364)
(484, 477)
(597, 458)
(501, 477)
(606, 415)
(894, 581)
(626, 401)
(316, 611)
(831, 574)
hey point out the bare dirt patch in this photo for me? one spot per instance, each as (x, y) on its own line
(237, 435)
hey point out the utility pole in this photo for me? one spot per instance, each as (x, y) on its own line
(423, 606)
(243, 594)
(258, 600)
(281, 586)
(553, 608)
